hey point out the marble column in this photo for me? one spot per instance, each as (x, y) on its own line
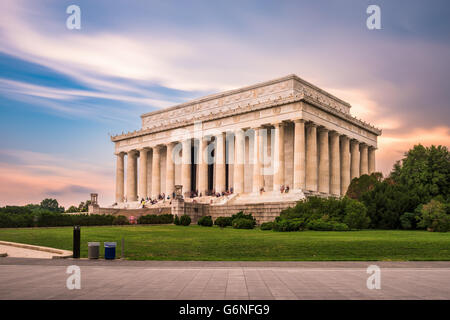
(299, 154)
(119, 177)
(364, 159)
(170, 171)
(258, 182)
(345, 164)
(324, 162)
(219, 155)
(311, 157)
(238, 178)
(202, 167)
(335, 164)
(186, 167)
(131, 176)
(371, 160)
(354, 159)
(278, 152)
(156, 172)
(142, 173)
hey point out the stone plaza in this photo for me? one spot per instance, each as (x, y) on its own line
(259, 148)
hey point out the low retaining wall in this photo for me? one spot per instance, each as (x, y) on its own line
(262, 212)
(131, 212)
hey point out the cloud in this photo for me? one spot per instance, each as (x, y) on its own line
(28, 177)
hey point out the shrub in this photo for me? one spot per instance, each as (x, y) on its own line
(121, 220)
(241, 223)
(323, 225)
(205, 221)
(408, 220)
(185, 220)
(285, 225)
(267, 226)
(176, 221)
(434, 217)
(156, 219)
(241, 215)
(356, 215)
(223, 222)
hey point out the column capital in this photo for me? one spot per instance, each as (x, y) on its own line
(373, 148)
(334, 133)
(322, 129)
(143, 149)
(132, 152)
(299, 120)
(311, 124)
(119, 154)
(354, 141)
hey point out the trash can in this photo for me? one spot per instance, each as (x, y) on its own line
(93, 250)
(110, 250)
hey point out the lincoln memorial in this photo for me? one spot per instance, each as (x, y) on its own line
(272, 142)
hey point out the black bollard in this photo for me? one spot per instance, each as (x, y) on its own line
(76, 242)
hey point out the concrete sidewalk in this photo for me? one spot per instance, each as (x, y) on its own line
(22, 250)
(46, 279)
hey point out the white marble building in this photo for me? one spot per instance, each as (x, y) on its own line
(305, 139)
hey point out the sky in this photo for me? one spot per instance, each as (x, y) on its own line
(63, 92)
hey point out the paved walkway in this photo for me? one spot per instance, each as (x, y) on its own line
(46, 279)
(22, 250)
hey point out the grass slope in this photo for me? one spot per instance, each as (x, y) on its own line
(169, 242)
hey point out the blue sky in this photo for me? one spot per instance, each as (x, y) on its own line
(62, 92)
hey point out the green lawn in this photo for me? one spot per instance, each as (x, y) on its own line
(169, 242)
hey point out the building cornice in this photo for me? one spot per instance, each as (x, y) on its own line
(305, 96)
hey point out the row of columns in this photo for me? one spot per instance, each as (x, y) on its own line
(324, 161)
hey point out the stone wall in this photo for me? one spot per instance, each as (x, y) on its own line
(262, 212)
(130, 212)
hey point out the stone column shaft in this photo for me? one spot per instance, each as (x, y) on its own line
(258, 182)
(170, 171)
(345, 164)
(156, 172)
(202, 167)
(143, 173)
(371, 160)
(278, 149)
(220, 164)
(119, 177)
(131, 176)
(238, 178)
(186, 167)
(299, 155)
(335, 167)
(311, 157)
(354, 160)
(324, 162)
(364, 160)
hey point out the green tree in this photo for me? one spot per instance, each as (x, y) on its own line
(424, 171)
(72, 209)
(387, 202)
(363, 184)
(84, 206)
(51, 205)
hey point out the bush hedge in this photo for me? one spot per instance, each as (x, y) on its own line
(267, 226)
(242, 223)
(223, 222)
(156, 219)
(205, 221)
(323, 225)
(285, 225)
(185, 220)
